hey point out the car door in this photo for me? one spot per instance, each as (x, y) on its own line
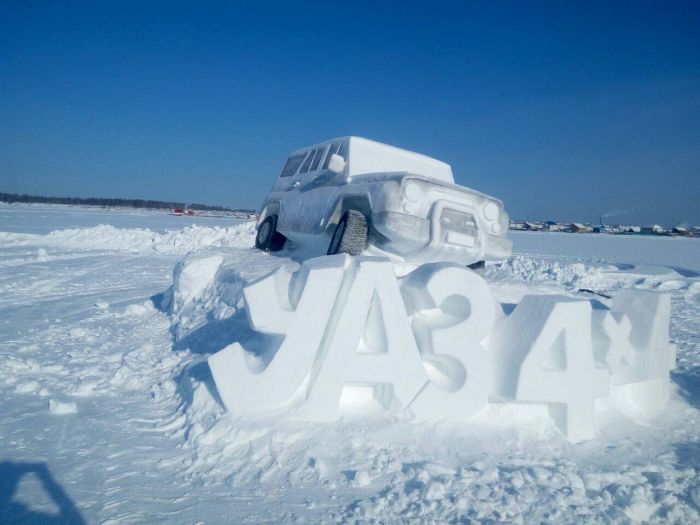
(307, 204)
(320, 191)
(287, 188)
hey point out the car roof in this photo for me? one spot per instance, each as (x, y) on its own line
(367, 156)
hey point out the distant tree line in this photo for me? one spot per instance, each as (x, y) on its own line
(94, 201)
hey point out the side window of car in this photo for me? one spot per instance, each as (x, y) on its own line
(307, 162)
(292, 164)
(343, 151)
(317, 158)
(335, 146)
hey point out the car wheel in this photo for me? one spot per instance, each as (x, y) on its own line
(268, 238)
(350, 235)
(478, 267)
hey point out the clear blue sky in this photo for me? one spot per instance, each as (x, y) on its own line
(563, 110)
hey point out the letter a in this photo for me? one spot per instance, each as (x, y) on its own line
(369, 345)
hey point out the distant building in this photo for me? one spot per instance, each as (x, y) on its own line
(681, 230)
(577, 227)
(653, 230)
(532, 226)
(551, 226)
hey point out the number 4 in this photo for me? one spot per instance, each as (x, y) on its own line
(544, 354)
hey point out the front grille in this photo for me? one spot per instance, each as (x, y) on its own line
(458, 228)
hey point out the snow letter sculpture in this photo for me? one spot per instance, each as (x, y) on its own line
(544, 354)
(344, 325)
(369, 346)
(297, 307)
(641, 384)
(453, 311)
(345, 337)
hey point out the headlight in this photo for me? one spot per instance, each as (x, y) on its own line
(491, 211)
(412, 191)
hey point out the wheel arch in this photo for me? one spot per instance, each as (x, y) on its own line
(359, 202)
(270, 208)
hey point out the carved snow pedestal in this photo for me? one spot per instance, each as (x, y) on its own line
(344, 335)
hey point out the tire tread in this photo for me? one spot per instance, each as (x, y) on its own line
(354, 237)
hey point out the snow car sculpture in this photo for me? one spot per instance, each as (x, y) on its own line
(343, 194)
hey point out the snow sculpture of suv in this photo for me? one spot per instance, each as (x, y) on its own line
(343, 194)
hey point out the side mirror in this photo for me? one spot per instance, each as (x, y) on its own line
(336, 164)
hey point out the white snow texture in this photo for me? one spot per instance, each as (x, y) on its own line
(110, 413)
(347, 340)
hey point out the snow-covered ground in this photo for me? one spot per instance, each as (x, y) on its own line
(108, 411)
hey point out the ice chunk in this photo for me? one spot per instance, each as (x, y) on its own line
(62, 407)
(26, 387)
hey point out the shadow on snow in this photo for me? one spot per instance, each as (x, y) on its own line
(13, 511)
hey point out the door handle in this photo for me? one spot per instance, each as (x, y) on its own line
(296, 184)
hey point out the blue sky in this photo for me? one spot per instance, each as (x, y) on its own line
(564, 111)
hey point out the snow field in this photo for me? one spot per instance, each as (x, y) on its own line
(637, 500)
(96, 322)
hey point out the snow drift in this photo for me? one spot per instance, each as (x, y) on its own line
(135, 240)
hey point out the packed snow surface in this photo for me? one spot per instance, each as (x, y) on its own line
(109, 413)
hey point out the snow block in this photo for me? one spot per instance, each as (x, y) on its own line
(543, 353)
(642, 399)
(193, 275)
(62, 407)
(195, 280)
(452, 311)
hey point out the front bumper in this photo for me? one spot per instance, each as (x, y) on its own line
(450, 233)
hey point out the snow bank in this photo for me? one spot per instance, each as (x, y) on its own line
(137, 240)
(528, 269)
(204, 301)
